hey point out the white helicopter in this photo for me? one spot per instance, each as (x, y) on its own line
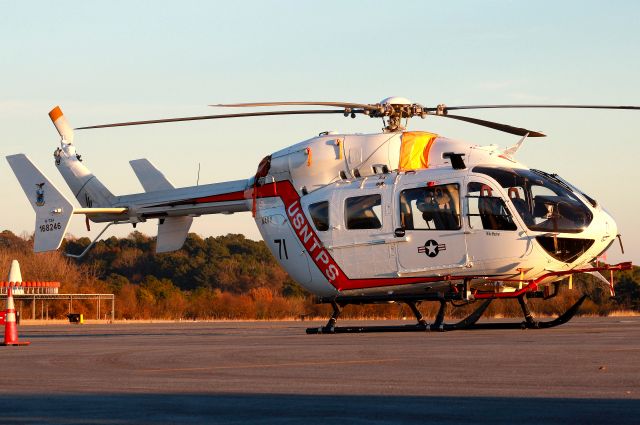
(398, 216)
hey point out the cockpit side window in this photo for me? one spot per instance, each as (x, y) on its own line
(544, 201)
(487, 211)
(319, 213)
(363, 212)
(431, 208)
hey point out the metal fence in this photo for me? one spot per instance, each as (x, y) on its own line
(34, 298)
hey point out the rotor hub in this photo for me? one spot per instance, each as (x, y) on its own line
(396, 108)
(395, 100)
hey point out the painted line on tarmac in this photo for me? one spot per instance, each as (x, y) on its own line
(330, 363)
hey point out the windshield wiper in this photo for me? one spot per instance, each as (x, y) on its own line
(554, 177)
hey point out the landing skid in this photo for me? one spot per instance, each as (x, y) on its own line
(438, 325)
(421, 326)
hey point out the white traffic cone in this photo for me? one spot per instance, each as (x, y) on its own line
(14, 272)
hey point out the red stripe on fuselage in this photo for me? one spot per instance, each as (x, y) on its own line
(223, 197)
(320, 256)
(233, 196)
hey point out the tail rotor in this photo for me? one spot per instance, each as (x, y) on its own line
(62, 125)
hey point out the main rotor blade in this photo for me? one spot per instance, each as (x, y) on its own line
(497, 126)
(213, 117)
(336, 104)
(454, 108)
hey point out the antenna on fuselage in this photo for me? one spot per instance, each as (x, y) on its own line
(510, 152)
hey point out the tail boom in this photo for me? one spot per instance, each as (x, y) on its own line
(174, 208)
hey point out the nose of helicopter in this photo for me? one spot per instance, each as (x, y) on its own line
(604, 231)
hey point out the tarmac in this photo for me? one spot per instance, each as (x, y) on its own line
(584, 372)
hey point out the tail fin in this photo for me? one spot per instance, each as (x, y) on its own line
(86, 187)
(150, 177)
(53, 209)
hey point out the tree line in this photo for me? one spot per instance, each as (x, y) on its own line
(232, 277)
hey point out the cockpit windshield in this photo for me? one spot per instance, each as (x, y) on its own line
(545, 203)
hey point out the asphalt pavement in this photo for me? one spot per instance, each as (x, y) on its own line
(584, 372)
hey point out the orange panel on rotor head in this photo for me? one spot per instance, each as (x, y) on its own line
(414, 150)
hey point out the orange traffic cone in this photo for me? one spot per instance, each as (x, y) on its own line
(10, 327)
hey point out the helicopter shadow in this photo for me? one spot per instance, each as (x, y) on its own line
(174, 408)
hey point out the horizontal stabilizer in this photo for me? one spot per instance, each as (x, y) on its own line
(172, 232)
(100, 211)
(53, 210)
(150, 177)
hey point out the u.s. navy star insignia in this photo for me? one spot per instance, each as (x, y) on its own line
(432, 248)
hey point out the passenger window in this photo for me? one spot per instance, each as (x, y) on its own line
(319, 213)
(487, 211)
(363, 212)
(431, 208)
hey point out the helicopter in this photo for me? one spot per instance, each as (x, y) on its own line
(396, 216)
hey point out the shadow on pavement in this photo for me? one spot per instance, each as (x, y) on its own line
(309, 409)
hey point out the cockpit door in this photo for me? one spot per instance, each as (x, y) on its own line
(496, 241)
(431, 216)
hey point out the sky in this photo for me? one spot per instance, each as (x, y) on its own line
(121, 61)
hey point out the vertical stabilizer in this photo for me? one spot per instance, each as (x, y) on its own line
(150, 177)
(53, 210)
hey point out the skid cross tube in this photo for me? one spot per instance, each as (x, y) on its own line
(438, 324)
(331, 325)
(417, 313)
(529, 321)
(470, 321)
